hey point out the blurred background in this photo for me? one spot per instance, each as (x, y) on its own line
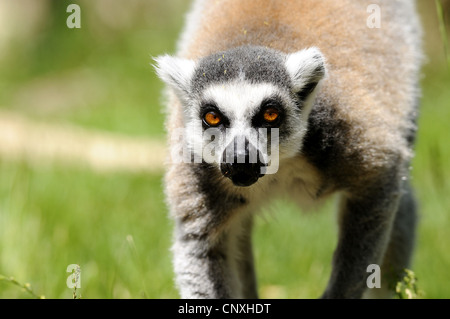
(81, 151)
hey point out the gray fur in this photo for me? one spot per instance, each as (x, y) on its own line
(252, 63)
(400, 248)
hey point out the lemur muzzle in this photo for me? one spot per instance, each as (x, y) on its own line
(241, 162)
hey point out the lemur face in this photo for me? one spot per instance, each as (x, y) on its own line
(246, 108)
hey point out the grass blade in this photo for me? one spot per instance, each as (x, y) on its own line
(442, 29)
(26, 287)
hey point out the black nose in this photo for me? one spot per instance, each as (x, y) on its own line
(241, 162)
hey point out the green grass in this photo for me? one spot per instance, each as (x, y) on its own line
(116, 87)
(443, 30)
(55, 216)
(432, 181)
(52, 217)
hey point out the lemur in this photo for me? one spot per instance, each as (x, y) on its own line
(343, 99)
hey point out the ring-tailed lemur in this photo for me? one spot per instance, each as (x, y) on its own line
(342, 98)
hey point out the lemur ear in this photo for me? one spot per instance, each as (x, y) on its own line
(176, 72)
(306, 68)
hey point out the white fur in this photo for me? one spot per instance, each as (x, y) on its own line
(192, 19)
(177, 73)
(239, 100)
(301, 65)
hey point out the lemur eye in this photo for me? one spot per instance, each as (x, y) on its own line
(212, 118)
(271, 115)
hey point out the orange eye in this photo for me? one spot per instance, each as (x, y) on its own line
(270, 115)
(212, 118)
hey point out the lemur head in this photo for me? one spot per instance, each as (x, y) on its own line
(244, 97)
